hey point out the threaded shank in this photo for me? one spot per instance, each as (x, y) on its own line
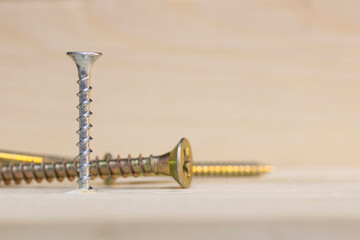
(38, 171)
(105, 168)
(124, 166)
(230, 169)
(84, 133)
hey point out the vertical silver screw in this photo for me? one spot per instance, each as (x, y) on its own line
(84, 62)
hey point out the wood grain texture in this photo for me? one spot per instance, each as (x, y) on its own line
(275, 81)
(292, 203)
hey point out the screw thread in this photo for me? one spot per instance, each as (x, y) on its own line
(125, 167)
(230, 169)
(84, 133)
(60, 170)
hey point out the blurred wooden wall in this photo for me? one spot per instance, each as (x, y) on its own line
(275, 81)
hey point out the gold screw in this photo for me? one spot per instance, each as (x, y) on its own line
(175, 163)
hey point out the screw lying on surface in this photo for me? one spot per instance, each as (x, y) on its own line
(219, 169)
(232, 169)
(84, 62)
(177, 163)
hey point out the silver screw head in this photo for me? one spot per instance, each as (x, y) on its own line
(84, 61)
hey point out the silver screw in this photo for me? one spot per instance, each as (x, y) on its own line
(84, 62)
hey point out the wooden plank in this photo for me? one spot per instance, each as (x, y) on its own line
(291, 203)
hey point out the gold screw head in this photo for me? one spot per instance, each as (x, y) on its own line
(181, 163)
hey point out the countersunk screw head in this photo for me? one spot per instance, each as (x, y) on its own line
(84, 61)
(181, 163)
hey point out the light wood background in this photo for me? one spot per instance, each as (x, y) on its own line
(275, 81)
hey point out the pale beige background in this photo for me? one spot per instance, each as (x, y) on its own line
(275, 81)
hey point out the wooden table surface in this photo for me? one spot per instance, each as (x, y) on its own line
(290, 203)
